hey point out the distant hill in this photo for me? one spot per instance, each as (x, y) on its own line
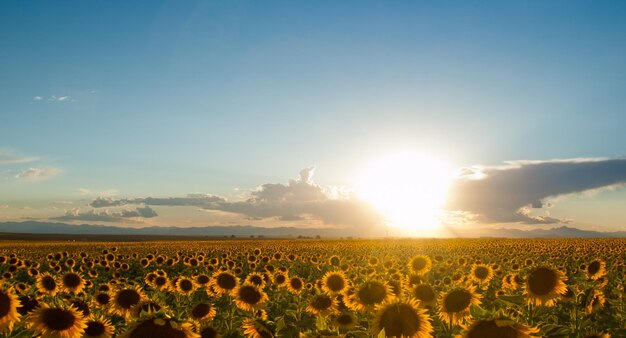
(35, 227)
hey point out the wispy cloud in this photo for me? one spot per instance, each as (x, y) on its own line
(516, 191)
(37, 98)
(106, 215)
(60, 98)
(37, 174)
(8, 156)
(103, 193)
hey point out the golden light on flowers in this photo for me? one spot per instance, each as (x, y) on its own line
(322, 304)
(125, 299)
(425, 293)
(295, 285)
(8, 310)
(368, 295)
(334, 282)
(420, 264)
(256, 328)
(596, 269)
(185, 286)
(345, 321)
(482, 273)
(47, 284)
(403, 319)
(544, 285)
(249, 297)
(159, 327)
(57, 322)
(454, 305)
(72, 282)
(500, 327)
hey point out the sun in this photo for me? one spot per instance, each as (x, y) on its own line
(408, 188)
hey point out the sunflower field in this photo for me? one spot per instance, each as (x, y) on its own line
(313, 288)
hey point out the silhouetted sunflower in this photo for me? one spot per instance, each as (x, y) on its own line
(500, 327)
(57, 322)
(544, 285)
(454, 305)
(9, 315)
(402, 319)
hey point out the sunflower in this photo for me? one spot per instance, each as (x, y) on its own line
(125, 299)
(368, 295)
(9, 315)
(249, 297)
(280, 279)
(482, 273)
(403, 319)
(57, 322)
(334, 282)
(426, 295)
(454, 305)
(420, 264)
(594, 301)
(499, 327)
(47, 284)
(256, 279)
(28, 304)
(256, 329)
(224, 282)
(345, 321)
(159, 326)
(295, 285)
(208, 332)
(597, 335)
(145, 306)
(544, 285)
(185, 286)
(202, 312)
(596, 269)
(99, 327)
(72, 282)
(322, 304)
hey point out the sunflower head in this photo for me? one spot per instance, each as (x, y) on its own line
(57, 321)
(9, 314)
(334, 282)
(420, 264)
(403, 319)
(544, 285)
(499, 327)
(249, 297)
(454, 305)
(159, 326)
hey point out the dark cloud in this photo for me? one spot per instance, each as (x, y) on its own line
(510, 193)
(197, 200)
(107, 216)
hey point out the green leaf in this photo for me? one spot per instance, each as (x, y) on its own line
(382, 334)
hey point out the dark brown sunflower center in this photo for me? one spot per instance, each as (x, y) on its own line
(256, 280)
(424, 293)
(335, 283)
(28, 305)
(400, 321)
(489, 328)
(372, 293)
(48, 283)
(58, 319)
(418, 264)
(127, 298)
(321, 302)
(593, 268)
(249, 294)
(345, 319)
(226, 281)
(481, 272)
(160, 281)
(296, 283)
(103, 298)
(94, 329)
(457, 300)
(5, 304)
(208, 332)
(542, 281)
(185, 285)
(200, 310)
(280, 279)
(202, 279)
(82, 306)
(150, 329)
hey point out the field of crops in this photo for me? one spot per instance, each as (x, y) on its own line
(410, 288)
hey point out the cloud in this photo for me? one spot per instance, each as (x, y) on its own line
(9, 157)
(88, 192)
(106, 215)
(37, 98)
(510, 193)
(37, 174)
(299, 200)
(55, 98)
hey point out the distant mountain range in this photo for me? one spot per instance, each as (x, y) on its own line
(35, 227)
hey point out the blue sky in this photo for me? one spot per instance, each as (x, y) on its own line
(169, 98)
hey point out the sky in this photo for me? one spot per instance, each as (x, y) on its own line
(268, 113)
